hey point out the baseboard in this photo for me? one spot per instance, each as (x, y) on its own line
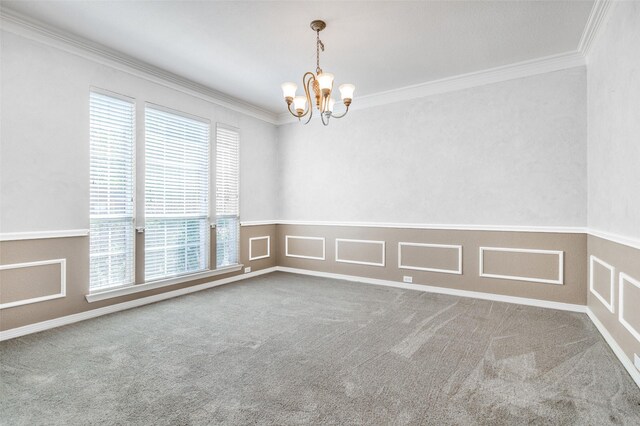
(622, 356)
(442, 290)
(93, 313)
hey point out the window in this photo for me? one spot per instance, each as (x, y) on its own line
(111, 206)
(176, 194)
(227, 195)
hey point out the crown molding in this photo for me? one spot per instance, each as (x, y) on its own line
(27, 27)
(464, 81)
(595, 24)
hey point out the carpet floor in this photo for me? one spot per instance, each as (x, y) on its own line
(290, 349)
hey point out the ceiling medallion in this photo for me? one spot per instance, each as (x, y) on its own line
(321, 83)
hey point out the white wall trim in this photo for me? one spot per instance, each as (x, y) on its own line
(441, 290)
(38, 235)
(624, 277)
(419, 268)
(617, 350)
(456, 227)
(70, 319)
(595, 24)
(28, 27)
(463, 81)
(25, 26)
(251, 240)
(608, 305)
(357, 262)
(258, 222)
(286, 245)
(559, 253)
(63, 281)
(616, 238)
(137, 288)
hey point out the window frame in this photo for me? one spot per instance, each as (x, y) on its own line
(228, 127)
(208, 249)
(134, 182)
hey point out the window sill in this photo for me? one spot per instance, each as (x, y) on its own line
(137, 288)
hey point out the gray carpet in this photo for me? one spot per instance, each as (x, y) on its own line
(288, 349)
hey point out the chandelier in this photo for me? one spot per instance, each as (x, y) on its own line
(321, 83)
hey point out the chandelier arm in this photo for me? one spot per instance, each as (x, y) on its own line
(311, 77)
(341, 115)
(322, 118)
(309, 107)
(292, 113)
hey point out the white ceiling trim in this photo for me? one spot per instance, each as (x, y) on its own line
(26, 27)
(463, 81)
(36, 30)
(597, 20)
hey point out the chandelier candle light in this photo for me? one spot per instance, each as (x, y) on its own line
(322, 85)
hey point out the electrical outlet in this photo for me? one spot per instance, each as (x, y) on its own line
(636, 361)
(247, 270)
(407, 279)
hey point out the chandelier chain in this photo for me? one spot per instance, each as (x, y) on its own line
(319, 45)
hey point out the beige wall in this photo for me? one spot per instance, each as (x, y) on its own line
(431, 257)
(621, 259)
(76, 252)
(529, 266)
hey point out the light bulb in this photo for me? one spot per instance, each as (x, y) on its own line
(325, 81)
(299, 104)
(289, 90)
(346, 91)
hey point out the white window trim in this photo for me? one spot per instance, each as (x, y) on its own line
(211, 183)
(214, 152)
(134, 170)
(137, 288)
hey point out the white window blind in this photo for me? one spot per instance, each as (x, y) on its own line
(111, 209)
(176, 194)
(227, 196)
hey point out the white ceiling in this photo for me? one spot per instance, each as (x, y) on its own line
(247, 49)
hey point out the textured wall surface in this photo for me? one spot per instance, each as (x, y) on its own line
(614, 124)
(510, 153)
(614, 172)
(44, 169)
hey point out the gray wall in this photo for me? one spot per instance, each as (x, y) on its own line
(614, 124)
(44, 151)
(510, 153)
(614, 174)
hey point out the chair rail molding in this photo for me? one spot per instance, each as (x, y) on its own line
(41, 235)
